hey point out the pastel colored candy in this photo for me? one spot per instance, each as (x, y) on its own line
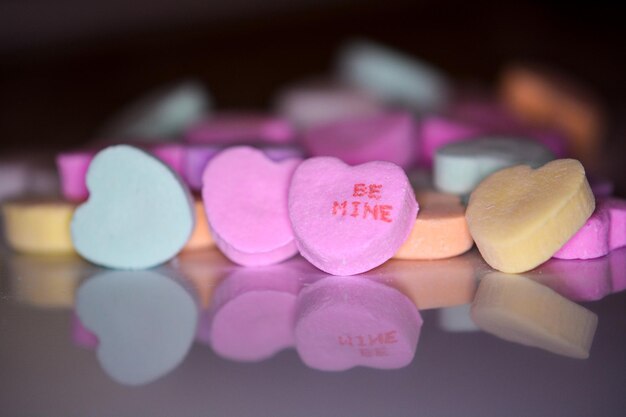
(72, 166)
(201, 235)
(138, 215)
(237, 129)
(604, 231)
(549, 99)
(252, 315)
(245, 198)
(46, 281)
(38, 225)
(392, 76)
(145, 323)
(433, 283)
(311, 106)
(348, 220)
(380, 137)
(343, 322)
(583, 280)
(160, 114)
(520, 310)
(460, 167)
(440, 230)
(204, 270)
(520, 217)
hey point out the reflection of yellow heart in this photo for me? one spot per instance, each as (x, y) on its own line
(520, 217)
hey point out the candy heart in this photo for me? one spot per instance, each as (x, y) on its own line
(546, 98)
(604, 231)
(245, 198)
(348, 220)
(392, 76)
(342, 322)
(459, 167)
(252, 315)
(440, 231)
(138, 215)
(380, 137)
(519, 310)
(519, 217)
(39, 225)
(233, 129)
(144, 321)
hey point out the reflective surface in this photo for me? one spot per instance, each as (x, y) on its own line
(201, 336)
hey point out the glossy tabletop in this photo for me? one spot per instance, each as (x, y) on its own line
(200, 336)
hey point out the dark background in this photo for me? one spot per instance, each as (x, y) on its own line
(67, 65)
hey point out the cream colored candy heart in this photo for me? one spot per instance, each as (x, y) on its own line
(519, 217)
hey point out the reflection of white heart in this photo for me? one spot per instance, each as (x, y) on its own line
(145, 323)
(139, 214)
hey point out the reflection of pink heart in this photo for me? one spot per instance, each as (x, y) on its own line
(342, 322)
(251, 317)
(348, 220)
(245, 197)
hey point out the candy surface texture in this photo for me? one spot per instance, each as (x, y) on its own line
(139, 214)
(520, 217)
(348, 220)
(245, 198)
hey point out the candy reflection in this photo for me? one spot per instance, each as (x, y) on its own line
(436, 283)
(520, 310)
(343, 322)
(145, 322)
(252, 312)
(46, 281)
(583, 280)
(457, 319)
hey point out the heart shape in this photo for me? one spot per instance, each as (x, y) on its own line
(348, 220)
(343, 322)
(144, 321)
(251, 317)
(519, 217)
(459, 167)
(245, 198)
(139, 214)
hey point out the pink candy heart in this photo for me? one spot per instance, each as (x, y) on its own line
(348, 220)
(603, 232)
(245, 198)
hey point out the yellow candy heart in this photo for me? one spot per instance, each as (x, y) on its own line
(519, 217)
